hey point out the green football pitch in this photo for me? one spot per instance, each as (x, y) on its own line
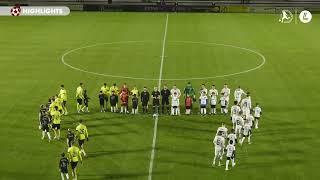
(198, 46)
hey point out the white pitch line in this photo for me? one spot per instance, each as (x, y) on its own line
(262, 58)
(159, 86)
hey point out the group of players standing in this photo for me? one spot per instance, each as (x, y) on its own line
(243, 119)
(50, 117)
(160, 98)
(241, 115)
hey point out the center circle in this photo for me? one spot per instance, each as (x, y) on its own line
(184, 60)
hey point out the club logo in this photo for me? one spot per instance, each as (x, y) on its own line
(305, 16)
(15, 11)
(286, 16)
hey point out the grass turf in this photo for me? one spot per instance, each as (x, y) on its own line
(285, 147)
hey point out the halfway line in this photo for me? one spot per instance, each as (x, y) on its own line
(159, 86)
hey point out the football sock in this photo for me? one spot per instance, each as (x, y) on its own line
(249, 139)
(227, 164)
(214, 110)
(62, 176)
(204, 111)
(233, 163)
(49, 136)
(257, 122)
(242, 140)
(67, 175)
(43, 133)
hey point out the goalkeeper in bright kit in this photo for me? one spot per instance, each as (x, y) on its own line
(82, 134)
(74, 155)
(80, 97)
(63, 96)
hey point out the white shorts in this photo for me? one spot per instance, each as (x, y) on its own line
(246, 112)
(238, 129)
(238, 99)
(218, 151)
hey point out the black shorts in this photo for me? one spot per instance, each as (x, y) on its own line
(229, 158)
(45, 128)
(81, 142)
(203, 106)
(64, 170)
(101, 102)
(213, 106)
(223, 107)
(79, 101)
(144, 103)
(64, 103)
(257, 118)
(165, 101)
(188, 107)
(73, 164)
(55, 126)
(174, 107)
(156, 102)
(70, 142)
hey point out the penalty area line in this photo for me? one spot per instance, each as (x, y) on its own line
(154, 139)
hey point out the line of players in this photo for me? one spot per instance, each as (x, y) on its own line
(207, 98)
(50, 116)
(243, 118)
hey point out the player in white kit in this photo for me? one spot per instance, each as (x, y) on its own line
(203, 89)
(222, 130)
(213, 94)
(246, 133)
(175, 89)
(232, 137)
(203, 103)
(249, 120)
(235, 109)
(238, 94)
(218, 149)
(246, 105)
(175, 104)
(226, 92)
(238, 123)
(223, 103)
(231, 150)
(257, 112)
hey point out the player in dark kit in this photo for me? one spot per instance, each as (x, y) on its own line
(135, 102)
(44, 125)
(165, 94)
(145, 96)
(102, 98)
(113, 101)
(63, 166)
(86, 101)
(156, 100)
(70, 138)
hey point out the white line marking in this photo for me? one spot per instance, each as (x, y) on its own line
(263, 61)
(159, 86)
